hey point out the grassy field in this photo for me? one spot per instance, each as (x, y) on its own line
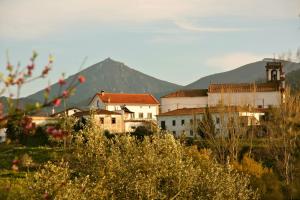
(29, 159)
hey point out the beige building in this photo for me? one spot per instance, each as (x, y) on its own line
(107, 120)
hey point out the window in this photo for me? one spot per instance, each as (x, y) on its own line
(191, 133)
(174, 133)
(101, 120)
(163, 125)
(113, 120)
(149, 115)
(174, 122)
(141, 115)
(182, 122)
(217, 120)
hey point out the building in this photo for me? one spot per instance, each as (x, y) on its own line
(196, 98)
(43, 120)
(68, 112)
(256, 95)
(106, 120)
(262, 95)
(186, 120)
(137, 109)
(2, 135)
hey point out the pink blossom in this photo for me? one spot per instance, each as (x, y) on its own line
(56, 102)
(61, 82)
(81, 79)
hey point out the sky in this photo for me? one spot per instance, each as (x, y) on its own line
(178, 41)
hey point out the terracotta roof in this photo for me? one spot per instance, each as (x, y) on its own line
(98, 112)
(244, 87)
(191, 111)
(122, 98)
(187, 93)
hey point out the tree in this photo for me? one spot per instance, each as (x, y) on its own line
(159, 167)
(284, 131)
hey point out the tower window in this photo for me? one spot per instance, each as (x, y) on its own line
(274, 75)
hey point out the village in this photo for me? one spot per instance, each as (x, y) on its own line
(180, 112)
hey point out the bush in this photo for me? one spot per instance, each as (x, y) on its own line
(159, 167)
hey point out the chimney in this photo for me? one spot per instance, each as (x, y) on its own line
(102, 92)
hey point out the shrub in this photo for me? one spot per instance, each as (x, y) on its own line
(124, 167)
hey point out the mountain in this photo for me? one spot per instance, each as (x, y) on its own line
(113, 76)
(110, 76)
(244, 74)
(293, 79)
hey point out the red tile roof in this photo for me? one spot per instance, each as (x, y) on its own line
(187, 93)
(192, 111)
(121, 98)
(244, 87)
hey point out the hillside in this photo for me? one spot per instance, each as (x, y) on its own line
(293, 79)
(112, 76)
(244, 74)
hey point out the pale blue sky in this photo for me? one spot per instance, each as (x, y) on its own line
(174, 40)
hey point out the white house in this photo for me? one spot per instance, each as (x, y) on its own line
(186, 120)
(196, 98)
(137, 109)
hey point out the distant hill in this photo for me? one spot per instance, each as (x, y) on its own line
(293, 79)
(244, 74)
(114, 76)
(110, 76)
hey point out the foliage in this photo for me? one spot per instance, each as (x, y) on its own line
(123, 167)
(262, 178)
(284, 132)
(141, 131)
(251, 167)
(226, 142)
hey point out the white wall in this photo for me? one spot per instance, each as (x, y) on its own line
(136, 108)
(173, 103)
(220, 121)
(2, 135)
(244, 98)
(145, 109)
(179, 129)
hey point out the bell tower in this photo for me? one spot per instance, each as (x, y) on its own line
(274, 71)
(275, 74)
